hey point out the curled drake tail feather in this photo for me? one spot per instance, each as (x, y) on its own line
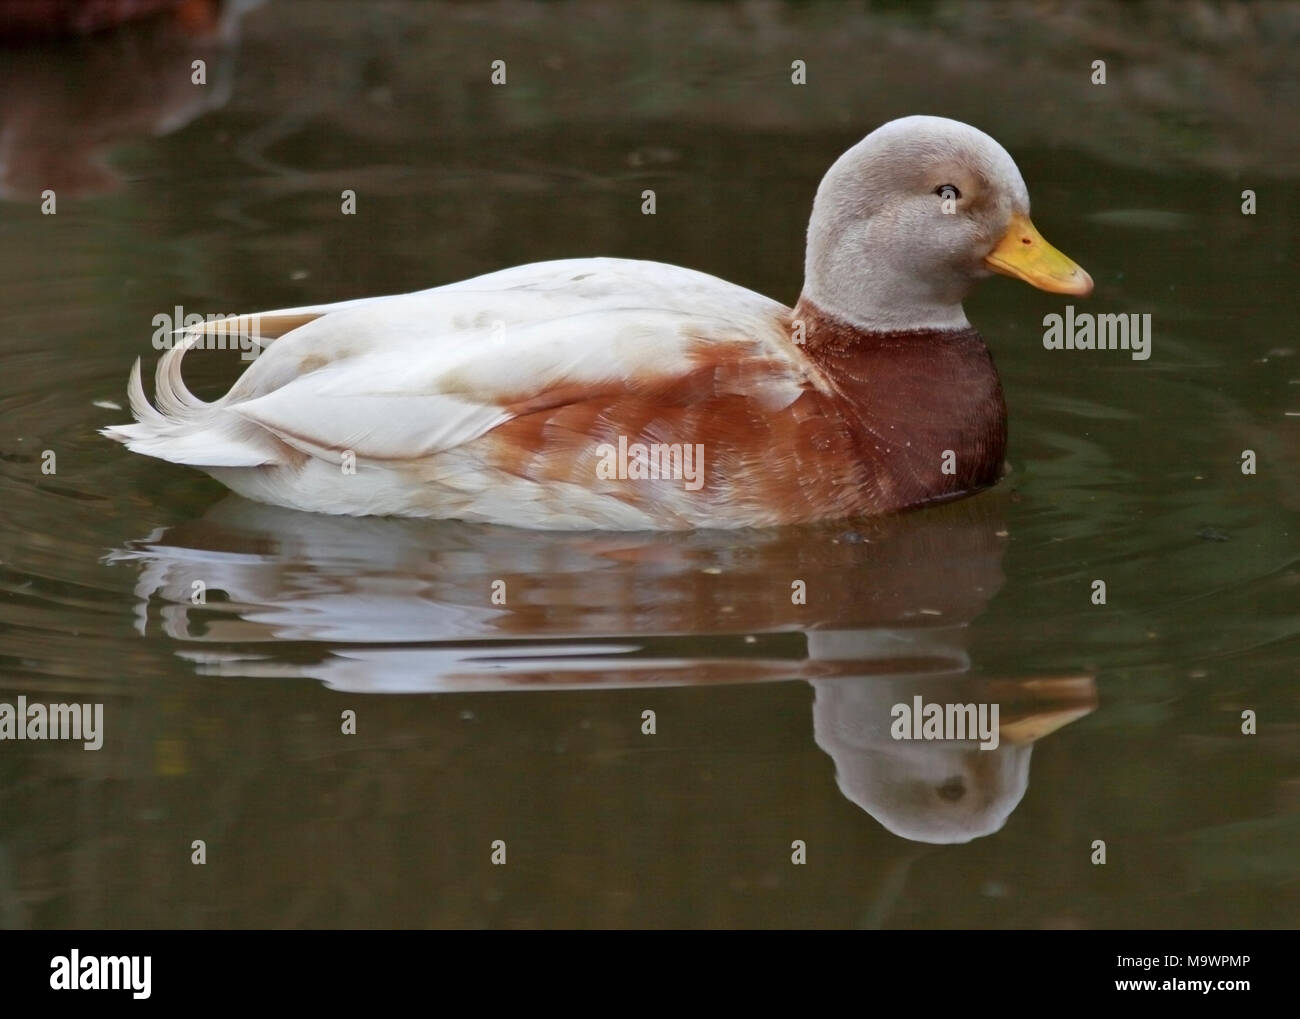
(184, 429)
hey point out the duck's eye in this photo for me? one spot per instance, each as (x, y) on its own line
(947, 192)
(952, 790)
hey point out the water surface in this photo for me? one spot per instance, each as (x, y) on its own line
(523, 721)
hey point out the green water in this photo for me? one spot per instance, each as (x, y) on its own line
(523, 721)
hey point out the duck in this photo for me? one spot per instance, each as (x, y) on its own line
(619, 394)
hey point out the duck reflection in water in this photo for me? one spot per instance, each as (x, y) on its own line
(872, 615)
(67, 103)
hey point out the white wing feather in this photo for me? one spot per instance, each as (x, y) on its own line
(408, 376)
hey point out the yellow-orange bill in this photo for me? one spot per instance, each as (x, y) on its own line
(1023, 253)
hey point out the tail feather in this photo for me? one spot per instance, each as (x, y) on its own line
(264, 326)
(140, 405)
(261, 327)
(186, 430)
(170, 392)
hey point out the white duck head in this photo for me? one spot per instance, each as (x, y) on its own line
(908, 219)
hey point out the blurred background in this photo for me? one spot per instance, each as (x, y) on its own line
(523, 722)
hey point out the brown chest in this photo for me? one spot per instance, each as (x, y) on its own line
(923, 412)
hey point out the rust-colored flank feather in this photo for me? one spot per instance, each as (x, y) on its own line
(885, 422)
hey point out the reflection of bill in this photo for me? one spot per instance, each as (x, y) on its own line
(65, 105)
(407, 606)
